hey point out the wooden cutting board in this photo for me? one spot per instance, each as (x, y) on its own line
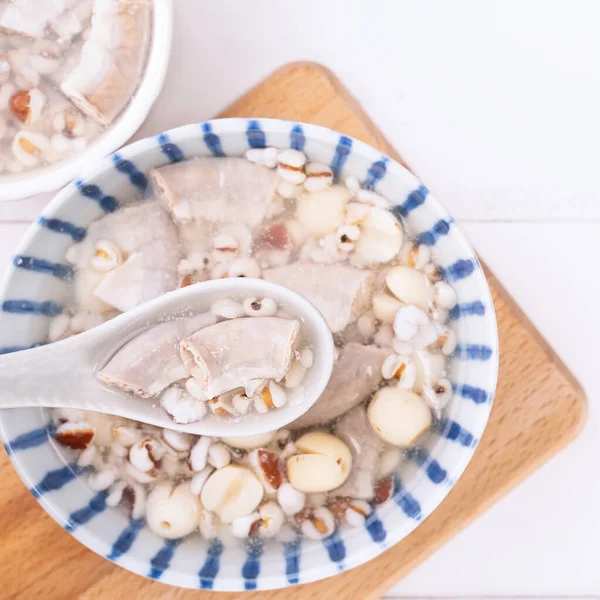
(539, 408)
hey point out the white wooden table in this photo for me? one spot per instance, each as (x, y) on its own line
(495, 105)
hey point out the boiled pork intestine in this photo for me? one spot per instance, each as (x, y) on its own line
(112, 59)
(151, 361)
(356, 375)
(215, 190)
(340, 292)
(232, 353)
(213, 358)
(354, 429)
(149, 253)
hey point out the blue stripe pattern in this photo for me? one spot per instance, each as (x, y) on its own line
(124, 542)
(255, 135)
(39, 265)
(415, 199)
(93, 192)
(335, 548)
(29, 307)
(375, 528)
(342, 151)
(477, 395)
(297, 138)
(454, 431)
(84, 515)
(210, 568)
(56, 479)
(473, 352)
(430, 238)
(432, 467)
(31, 439)
(376, 173)
(291, 551)
(11, 349)
(58, 226)
(162, 559)
(409, 505)
(136, 178)
(251, 568)
(172, 151)
(461, 269)
(212, 140)
(468, 309)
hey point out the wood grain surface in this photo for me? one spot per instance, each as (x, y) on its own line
(538, 409)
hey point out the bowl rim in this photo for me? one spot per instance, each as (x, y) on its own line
(51, 178)
(455, 470)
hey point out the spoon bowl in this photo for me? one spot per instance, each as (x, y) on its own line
(63, 374)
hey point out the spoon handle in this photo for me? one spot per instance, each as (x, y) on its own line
(63, 373)
(54, 375)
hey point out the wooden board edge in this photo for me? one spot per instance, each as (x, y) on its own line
(578, 391)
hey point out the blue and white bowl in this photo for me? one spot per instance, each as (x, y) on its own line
(37, 286)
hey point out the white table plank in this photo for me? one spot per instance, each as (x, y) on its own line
(499, 119)
(24, 210)
(10, 236)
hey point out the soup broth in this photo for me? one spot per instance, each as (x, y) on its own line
(276, 215)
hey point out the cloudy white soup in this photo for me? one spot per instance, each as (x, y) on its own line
(67, 70)
(272, 214)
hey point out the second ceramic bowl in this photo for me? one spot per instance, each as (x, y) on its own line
(17, 187)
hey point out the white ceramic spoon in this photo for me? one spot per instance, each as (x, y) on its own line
(63, 374)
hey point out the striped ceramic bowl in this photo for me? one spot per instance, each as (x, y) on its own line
(37, 285)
